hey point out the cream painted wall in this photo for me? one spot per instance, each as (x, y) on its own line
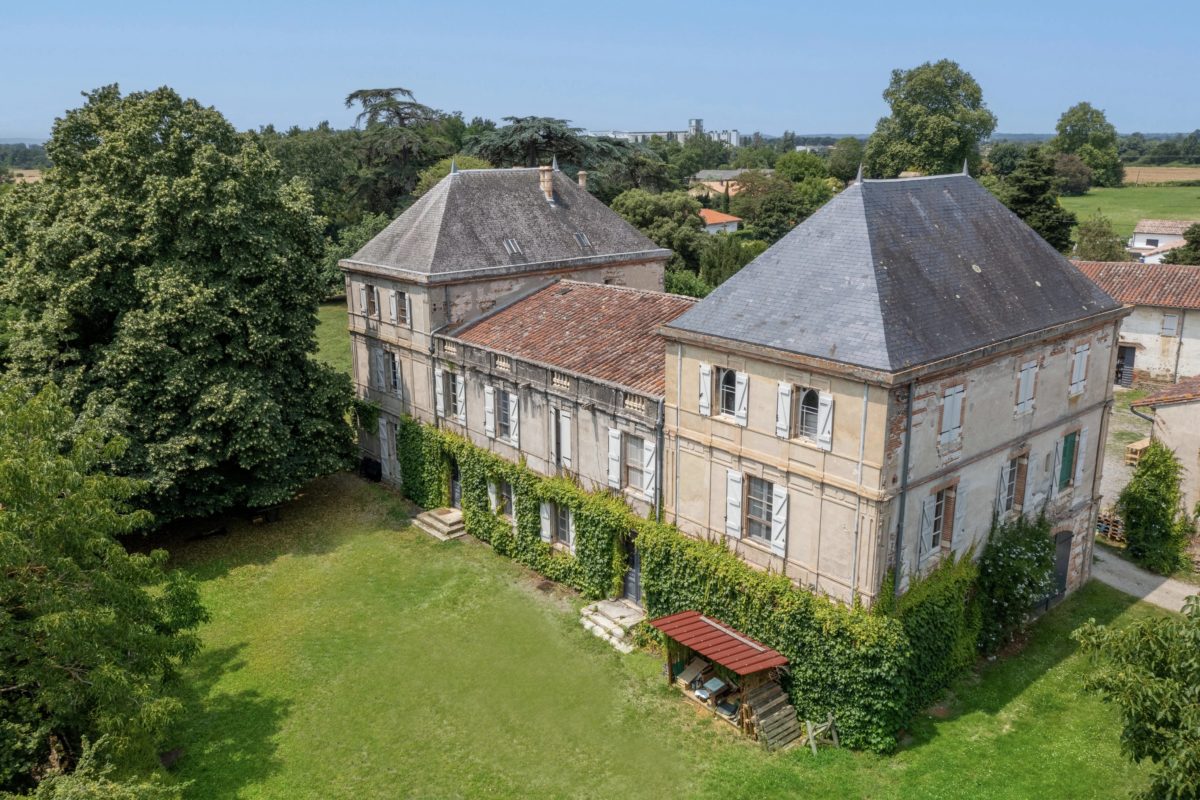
(1178, 427)
(1157, 355)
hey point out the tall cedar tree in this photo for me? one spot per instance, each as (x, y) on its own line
(91, 635)
(1031, 193)
(167, 279)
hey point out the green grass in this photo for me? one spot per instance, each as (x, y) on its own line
(333, 341)
(1126, 205)
(350, 656)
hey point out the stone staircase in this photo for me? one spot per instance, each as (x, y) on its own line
(611, 621)
(442, 523)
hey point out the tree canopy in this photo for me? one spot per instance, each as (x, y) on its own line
(166, 278)
(1085, 132)
(669, 219)
(938, 121)
(1188, 253)
(91, 635)
(530, 141)
(1157, 527)
(1031, 193)
(1095, 240)
(845, 157)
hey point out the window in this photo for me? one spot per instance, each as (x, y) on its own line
(512, 247)
(1008, 488)
(562, 525)
(583, 241)
(456, 400)
(1026, 382)
(726, 391)
(1079, 369)
(759, 499)
(394, 373)
(634, 462)
(399, 308)
(504, 499)
(503, 415)
(807, 411)
(1067, 468)
(1170, 324)
(1152, 243)
(952, 400)
(372, 301)
(375, 369)
(939, 519)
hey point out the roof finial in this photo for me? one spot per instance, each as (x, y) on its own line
(554, 162)
(453, 167)
(965, 170)
(859, 178)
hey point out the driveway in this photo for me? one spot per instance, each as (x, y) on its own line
(1118, 573)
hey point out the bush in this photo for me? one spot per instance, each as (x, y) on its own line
(1015, 573)
(1151, 506)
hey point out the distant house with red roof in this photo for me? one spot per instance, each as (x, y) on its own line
(1177, 425)
(1154, 238)
(717, 222)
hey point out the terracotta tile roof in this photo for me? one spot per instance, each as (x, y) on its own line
(1174, 227)
(718, 642)
(714, 217)
(1136, 284)
(605, 332)
(1186, 390)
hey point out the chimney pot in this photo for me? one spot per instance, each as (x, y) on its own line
(582, 177)
(546, 180)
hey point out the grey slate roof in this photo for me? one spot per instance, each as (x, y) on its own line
(893, 274)
(462, 223)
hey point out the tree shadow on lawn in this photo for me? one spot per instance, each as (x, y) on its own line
(228, 738)
(991, 686)
(318, 520)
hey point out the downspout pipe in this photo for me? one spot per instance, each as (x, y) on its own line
(903, 486)
(1137, 413)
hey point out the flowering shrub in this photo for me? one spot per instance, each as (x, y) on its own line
(1015, 573)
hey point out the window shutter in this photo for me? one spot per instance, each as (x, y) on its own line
(1080, 455)
(547, 512)
(384, 455)
(493, 499)
(928, 507)
(779, 519)
(740, 390)
(439, 392)
(733, 504)
(514, 423)
(1024, 485)
(1002, 492)
(460, 394)
(362, 299)
(649, 471)
(408, 310)
(564, 435)
(1025, 387)
(379, 377)
(783, 411)
(957, 534)
(614, 458)
(825, 420)
(706, 389)
(571, 531)
(1079, 370)
(395, 308)
(489, 411)
(1057, 471)
(951, 413)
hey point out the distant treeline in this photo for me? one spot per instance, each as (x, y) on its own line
(23, 156)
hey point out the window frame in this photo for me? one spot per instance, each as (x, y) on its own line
(801, 413)
(562, 535)
(451, 388)
(393, 363)
(505, 499)
(372, 300)
(638, 464)
(938, 528)
(1010, 488)
(722, 374)
(752, 522)
(503, 415)
(401, 307)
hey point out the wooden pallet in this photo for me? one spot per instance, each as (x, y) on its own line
(1110, 525)
(1133, 452)
(772, 716)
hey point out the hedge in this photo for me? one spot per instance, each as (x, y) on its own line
(872, 669)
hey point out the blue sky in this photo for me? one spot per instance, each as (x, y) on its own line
(806, 66)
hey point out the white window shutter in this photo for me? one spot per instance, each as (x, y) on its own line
(564, 435)
(408, 309)
(649, 468)
(489, 411)
(395, 309)
(571, 531)
(493, 496)
(740, 399)
(928, 508)
(957, 535)
(783, 411)
(514, 419)
(733, 504)
(460, 394)
(1027, 500)
(1057, 471)
(439, 391)
(706, 389)
(779, 519)
(362, 299)
(1079, 370)
(1025, 387)
(1002, 492)
(1080, 455)
(825, 420)
(380, 378)
(614, 458)
(547, 515)
(384, 455)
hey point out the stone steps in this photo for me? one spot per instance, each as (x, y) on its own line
(442, 523)
(611, 620)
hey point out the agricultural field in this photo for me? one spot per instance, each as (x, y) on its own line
(1126, 205)
(349, 655)
(1135, 175)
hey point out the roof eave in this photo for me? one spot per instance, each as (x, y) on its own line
(483, 273)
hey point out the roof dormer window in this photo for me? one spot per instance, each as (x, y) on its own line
(582, 239)
(513, 247)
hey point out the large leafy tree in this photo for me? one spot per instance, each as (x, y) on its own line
(1031, 192)
(1188, 253)
(325, 159)
(1085, 132)
(1095, 240)
(530, 141)
(938, 121)
(845, 157)
(1150, 671)
(796, 166)
(91, 635)
(1157, 527)
(167, 279)
(670, 219)
(772, 205)
(1003, 157)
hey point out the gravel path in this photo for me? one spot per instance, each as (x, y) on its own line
(1118, 573)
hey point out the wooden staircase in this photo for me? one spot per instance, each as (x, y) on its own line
(772, 716)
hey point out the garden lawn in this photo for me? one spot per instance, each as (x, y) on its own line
(333, 339)
(349, 655)
(1126, 205)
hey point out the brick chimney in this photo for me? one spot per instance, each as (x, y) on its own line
(546, 179)
(582, 177)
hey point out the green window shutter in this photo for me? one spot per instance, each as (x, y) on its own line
(1067, 467)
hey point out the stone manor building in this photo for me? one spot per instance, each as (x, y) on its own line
(905, 364)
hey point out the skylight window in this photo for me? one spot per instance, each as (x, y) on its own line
(513, 247)
(584, 243)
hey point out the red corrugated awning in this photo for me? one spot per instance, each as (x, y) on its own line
(717, 641)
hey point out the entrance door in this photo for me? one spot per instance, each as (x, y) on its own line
(1125, 356)
(633, 576)
(455, 485)
(1062, 564)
